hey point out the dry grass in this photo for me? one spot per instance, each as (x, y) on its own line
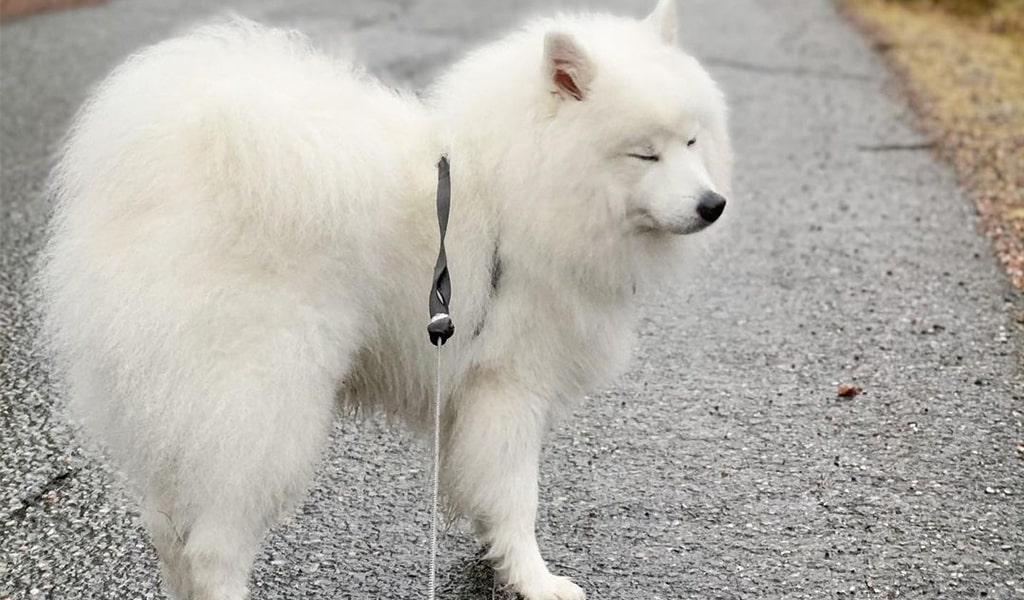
(1004, 17)
(963, 65)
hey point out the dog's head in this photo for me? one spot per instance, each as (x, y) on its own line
(591, 131)
(646, 117)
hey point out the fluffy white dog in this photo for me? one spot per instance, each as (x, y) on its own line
(245, 234)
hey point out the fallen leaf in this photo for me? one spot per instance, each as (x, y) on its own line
(848, 391)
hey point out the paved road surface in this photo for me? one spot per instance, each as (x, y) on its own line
(723, 465)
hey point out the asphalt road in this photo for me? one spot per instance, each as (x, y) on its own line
(723, 465)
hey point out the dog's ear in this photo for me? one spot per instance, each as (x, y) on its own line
(664, 20)
(566, 66)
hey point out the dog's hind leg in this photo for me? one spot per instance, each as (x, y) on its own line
(169, 544)
(491, 462)
(256, 477)
(220, 550)
(238, 458)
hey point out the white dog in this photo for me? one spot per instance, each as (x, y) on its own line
(245, 235)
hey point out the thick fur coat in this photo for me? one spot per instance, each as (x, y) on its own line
(245, 234)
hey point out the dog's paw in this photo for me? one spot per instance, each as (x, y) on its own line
(551, 588)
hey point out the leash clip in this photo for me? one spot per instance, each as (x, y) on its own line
(440, 329)
(441, 326)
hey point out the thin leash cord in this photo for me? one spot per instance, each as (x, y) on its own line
(432, 581)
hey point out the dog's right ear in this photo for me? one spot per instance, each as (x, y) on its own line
(566, 66)
(664, 20)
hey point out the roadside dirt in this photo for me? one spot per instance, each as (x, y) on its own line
(10, 9)
(964, 75)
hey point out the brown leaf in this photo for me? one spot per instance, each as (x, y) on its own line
(847, 391)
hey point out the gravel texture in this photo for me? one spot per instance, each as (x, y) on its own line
(723, 465)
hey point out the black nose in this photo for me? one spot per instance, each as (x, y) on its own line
(710, 206)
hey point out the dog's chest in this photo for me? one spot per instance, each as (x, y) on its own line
(552, 339)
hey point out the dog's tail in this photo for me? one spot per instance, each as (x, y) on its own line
(245, 120)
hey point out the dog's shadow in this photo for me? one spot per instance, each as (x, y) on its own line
(472, 578)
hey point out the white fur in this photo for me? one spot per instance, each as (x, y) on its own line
(245, 235)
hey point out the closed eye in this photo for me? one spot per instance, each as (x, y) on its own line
(647, 157)
(691, 142)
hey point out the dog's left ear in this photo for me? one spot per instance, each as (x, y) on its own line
(664, 20)
(567, 66)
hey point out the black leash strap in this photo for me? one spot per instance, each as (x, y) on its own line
(441, 327)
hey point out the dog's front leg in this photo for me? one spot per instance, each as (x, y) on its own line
(491, 463)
